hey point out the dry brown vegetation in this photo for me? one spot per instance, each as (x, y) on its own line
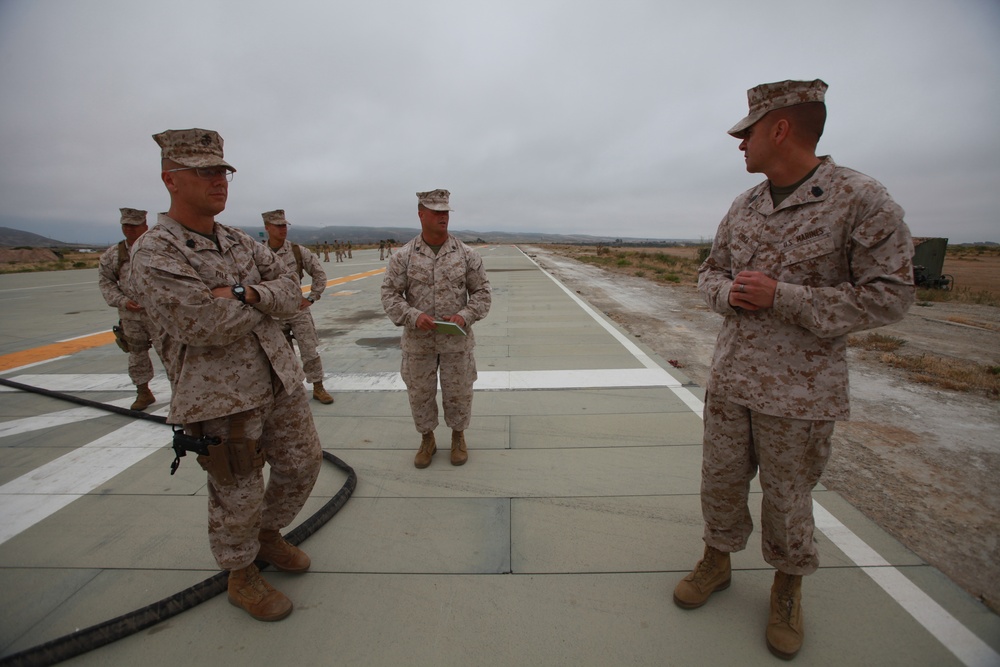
(668, 264)
(45, 259)
(940, 372)
(953, 374)
(976, 271)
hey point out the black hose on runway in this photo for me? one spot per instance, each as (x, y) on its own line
(82, 401)
(87, 639)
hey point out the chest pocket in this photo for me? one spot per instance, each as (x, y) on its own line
(813, 263)
(742, 249)
(453, 274)
(421, 273)
(811, 251)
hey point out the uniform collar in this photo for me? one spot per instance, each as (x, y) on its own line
(446, 246)
(816, 189)
(194, 240)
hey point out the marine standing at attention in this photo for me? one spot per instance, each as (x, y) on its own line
(138, 330)
(299, 259)
(215, 291)
(815, 252)
(437, 277)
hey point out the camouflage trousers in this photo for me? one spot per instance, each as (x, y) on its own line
(138, 333)
(237, 513)
(789, 454)
(458, 373)
(304, 330)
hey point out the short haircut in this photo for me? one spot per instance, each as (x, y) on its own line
(807, 120)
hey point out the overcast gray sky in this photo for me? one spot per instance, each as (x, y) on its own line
(582, 116)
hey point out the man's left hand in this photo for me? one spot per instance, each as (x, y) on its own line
(753, 290)
(456, 319)
(226, 292)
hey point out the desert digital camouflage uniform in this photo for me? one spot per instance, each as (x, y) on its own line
(453, 282)
(139, 330)
(842, 256)
(113, 273)
(301, 324)
(227, 358)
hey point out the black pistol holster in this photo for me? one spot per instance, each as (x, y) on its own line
(120, 339)
(224, 459)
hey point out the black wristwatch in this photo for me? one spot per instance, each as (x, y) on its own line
(240, 292)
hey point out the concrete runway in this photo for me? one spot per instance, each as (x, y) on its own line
(558, 543)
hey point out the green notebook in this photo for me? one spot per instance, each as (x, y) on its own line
(449, 328)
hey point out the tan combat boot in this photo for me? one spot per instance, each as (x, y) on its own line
(249, 591)
(277, 551)
(427, 449)
(321, 394)
(459, 453)
(712, 573)
(785, 629)
(143, 397)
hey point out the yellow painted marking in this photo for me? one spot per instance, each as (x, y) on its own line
(61, 349)
(68, 347)
(350, 278)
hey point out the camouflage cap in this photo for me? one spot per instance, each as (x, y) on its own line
(275, 217)
(436, 200)
(770, 96)
(192, 148)
(133, 216)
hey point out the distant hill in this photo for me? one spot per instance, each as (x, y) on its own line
(13, 238)
(364, 235)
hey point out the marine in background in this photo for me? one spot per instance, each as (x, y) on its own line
(300, 326)
(136, 333)
(436, 277)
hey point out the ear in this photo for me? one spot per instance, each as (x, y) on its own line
(168, 180)
(780, 130)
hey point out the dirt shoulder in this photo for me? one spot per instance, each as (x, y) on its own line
(921, 462)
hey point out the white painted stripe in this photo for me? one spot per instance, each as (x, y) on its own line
(45, 490)
(66, 340)
(689, 399)
(60, 418)
(601, 378)
(74, 382)
(643, 358)
(23, 512)
(18, 289)
(958, 639)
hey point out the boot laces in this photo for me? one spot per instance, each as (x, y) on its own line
(786, 601)
(254, 587)
(280, 546)
(705, 566)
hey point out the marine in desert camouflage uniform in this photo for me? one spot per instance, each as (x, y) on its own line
(215, 292)
(138, 329)
(437, 277)
(299, 259)
(810, 255)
